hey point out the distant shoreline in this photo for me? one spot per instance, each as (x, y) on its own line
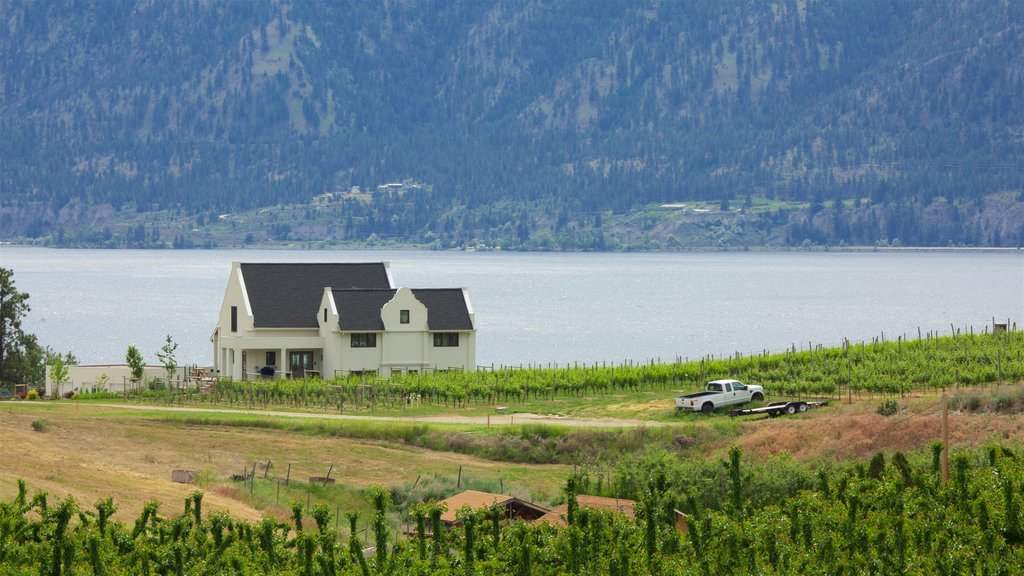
(418, 248)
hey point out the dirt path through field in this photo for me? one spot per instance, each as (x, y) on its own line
(495, 420)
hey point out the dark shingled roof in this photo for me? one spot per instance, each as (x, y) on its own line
(360, 309)
(288, 295)
(446, 308)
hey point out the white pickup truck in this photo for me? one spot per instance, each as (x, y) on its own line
(719, 393)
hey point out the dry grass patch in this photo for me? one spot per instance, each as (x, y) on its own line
(131, 458)
(824, 436)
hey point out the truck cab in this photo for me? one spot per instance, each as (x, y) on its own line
(719, 393)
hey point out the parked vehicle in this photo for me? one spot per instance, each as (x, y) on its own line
(719, 393)
(780, 408)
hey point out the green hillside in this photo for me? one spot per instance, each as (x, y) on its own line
(556, 124)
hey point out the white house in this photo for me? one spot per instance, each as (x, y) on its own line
(338, 319)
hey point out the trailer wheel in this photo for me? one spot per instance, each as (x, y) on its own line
(707, 408)
(802, 407)
(790, 409)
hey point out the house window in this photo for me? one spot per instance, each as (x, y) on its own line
(234, 318)
(325, 314)
(403, 316)
(364, 340)
(271, 359)
(446, 339)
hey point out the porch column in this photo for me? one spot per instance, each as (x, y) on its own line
(284, 367)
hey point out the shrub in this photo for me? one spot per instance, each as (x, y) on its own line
(32, 395)
(888, 408)
(40, 425)
(973, 403)
(1003, 404)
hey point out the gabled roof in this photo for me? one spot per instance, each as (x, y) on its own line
(479, 500)
(360, 309)
(288, 295)
(556, 517)
(447, 308)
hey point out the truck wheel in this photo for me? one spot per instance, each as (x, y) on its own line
(790, 409)
(707, 408)
(802, 407)
(757, 397)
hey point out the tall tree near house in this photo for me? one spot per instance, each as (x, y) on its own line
(14, 343)
(135, 362)
(166, 356)
(29, 366)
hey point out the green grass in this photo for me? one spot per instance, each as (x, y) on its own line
(521, 443)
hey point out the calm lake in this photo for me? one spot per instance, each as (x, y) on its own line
(543, 308)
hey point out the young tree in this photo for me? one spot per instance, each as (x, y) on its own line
(166, 356)
(58, 373)
(135, 361)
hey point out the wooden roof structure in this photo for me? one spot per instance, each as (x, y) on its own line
(556, 517)
(477, 500)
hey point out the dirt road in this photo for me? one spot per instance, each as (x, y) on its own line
(494, 420)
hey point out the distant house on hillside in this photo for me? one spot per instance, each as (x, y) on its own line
(338, 319)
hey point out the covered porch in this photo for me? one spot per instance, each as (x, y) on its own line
(267, 364)
(269, 358)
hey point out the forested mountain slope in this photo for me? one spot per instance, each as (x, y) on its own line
(513, 123)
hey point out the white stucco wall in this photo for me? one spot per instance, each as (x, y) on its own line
(405, 345)
(462, 356)
(404, 300)
(359, 359)
(85, 377)
(226, 362)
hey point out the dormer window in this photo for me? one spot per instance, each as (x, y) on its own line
(403, 316)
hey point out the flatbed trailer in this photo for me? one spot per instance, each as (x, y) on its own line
(779, 408)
